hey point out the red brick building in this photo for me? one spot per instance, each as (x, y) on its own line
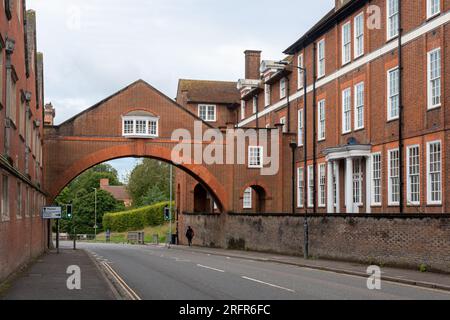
(23, 234)
(377, 115)
(119, 193)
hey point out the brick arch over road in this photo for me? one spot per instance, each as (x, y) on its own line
(95, 136)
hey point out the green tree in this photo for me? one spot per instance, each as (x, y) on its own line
(148, 183)
(80, 193)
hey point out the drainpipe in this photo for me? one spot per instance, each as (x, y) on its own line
(314, 129)
(257, 111)
(288, 84)
(401, 110)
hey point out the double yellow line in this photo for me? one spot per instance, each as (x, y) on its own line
(125, 287)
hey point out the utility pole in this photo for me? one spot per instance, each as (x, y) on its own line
(95, 215)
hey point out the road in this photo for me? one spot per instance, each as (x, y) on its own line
(157, 273)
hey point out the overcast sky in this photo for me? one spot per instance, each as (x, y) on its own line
(93, 48)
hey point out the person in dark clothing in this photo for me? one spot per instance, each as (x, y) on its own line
(190, 235)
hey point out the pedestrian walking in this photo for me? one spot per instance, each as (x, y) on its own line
(190, 235)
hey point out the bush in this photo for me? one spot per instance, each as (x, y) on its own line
(136, 219)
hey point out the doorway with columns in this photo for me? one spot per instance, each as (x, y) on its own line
(349, 171)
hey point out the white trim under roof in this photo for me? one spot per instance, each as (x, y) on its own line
(411, 36)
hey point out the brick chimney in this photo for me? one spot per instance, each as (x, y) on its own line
(340, 4)
(252, 64)
(49, 114)
(104, 183)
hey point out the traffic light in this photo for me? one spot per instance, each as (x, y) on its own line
(69, 211)
(167, 215)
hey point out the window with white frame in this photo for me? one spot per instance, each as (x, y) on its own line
(393, 90)
(11, 96)
(359, 106)
(392, 18)
(434, 79)
(300, 75)
(433, 8)
(1, 73)
(5, 198)
(255, 155)
(255, 105)
(321, 59)
(321, 120)
(322, 185)
(207, 112)
(248, 198)
(359, 35)
(357, 181)
(283, 88)
(310, 186)
(434, 168)
(301, 136)
(19, 200)
(394, 177)
(243, 105)
(267, 95)
(140, 126)
(376, 179)
(300, 188)
(346, 43)
(283, 122)
(346, 111)
(413, 179)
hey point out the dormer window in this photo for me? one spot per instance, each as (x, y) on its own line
(140, 125)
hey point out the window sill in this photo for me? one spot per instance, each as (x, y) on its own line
(346, 63)
(139, 137)
(393, 119)
(429, 18)
(358, 57)
(359, 129)
(432, 108)
(346, 133)
(388, 40)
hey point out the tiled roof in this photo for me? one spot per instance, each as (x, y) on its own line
(118, 192)
(210, 91)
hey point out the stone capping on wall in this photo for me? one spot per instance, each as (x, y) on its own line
(343, 216)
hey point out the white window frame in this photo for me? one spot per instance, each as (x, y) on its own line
(300, 76)
(379, 178)
(321, 59)
(322, 183)
(391, 202)
(243, 107)
(267, 95)
(300, 188)
(390, 33)
(258, 163)
(310, 186)
(321, 121)
(430, 4)
(247, 201)
(301, 127)
(283, 88)
(389, 96)
(134, 120)
(346, 111)
(255, 105)
(359, 36)
(284, 123)
(359, 105)
(357, 180)
(429, 186)
(4, 198)
(431, 104)
(346, 44)
(207, 109)
(410, 174)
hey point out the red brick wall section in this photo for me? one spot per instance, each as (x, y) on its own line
(394, 242)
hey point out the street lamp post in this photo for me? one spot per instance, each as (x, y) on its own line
(95, 215)
(305, 152)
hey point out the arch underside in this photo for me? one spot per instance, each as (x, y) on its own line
(198, 172)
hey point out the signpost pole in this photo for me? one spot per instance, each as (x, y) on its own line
(57, 236)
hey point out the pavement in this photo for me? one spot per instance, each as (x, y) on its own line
(46, 279)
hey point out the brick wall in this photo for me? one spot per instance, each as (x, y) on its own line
(397, 242)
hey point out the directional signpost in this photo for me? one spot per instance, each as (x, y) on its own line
(56, 214)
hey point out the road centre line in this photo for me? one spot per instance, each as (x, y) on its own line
(209, 268)
(268, 284)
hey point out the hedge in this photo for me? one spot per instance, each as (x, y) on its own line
(135, 220)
